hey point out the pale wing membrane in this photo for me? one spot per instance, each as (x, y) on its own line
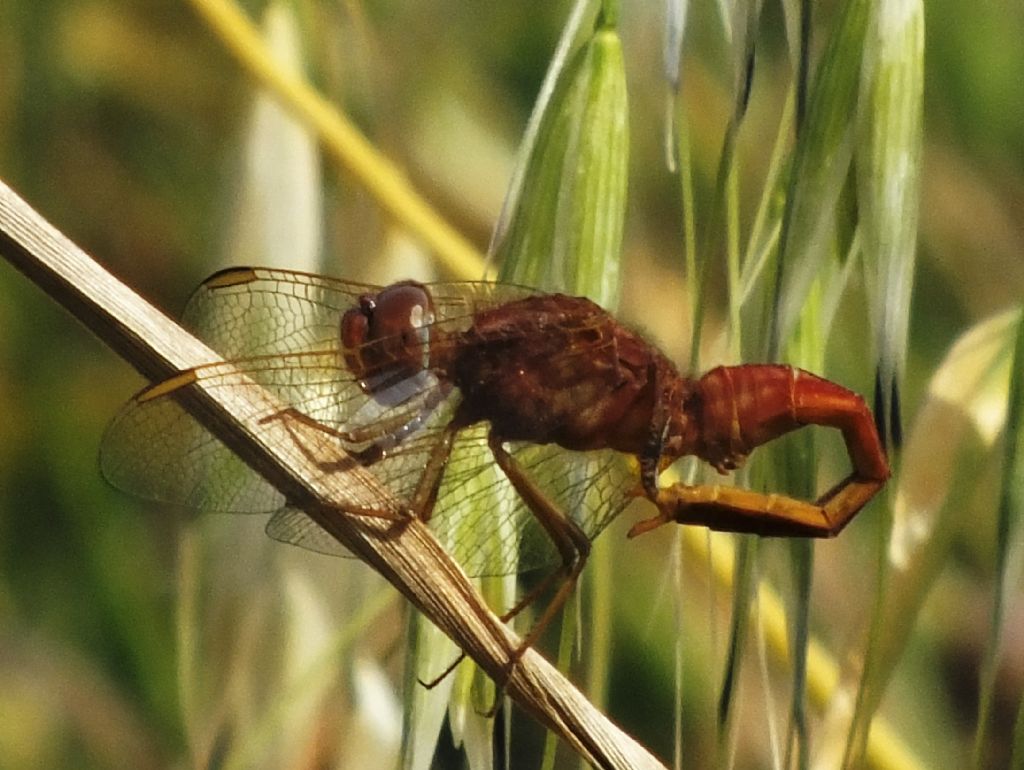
(156, 450)
(479, 517)
(487, 528)
(282, 311)
(281, 330)
(293, 526)
(274, 312)
(481, 520)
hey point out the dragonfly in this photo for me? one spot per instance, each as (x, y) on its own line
(517, 424)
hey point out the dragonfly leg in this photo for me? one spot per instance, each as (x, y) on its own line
(430, 684)
(367, 457)
(572, 543)
(425, 496)
(729, 509)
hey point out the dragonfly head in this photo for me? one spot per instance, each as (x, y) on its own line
(386, 337)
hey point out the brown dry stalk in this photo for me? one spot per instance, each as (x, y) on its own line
(404, 552)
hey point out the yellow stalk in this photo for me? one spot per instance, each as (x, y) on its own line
(342, 139)
(886, 751)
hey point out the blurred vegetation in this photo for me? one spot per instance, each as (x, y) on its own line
(124, 124)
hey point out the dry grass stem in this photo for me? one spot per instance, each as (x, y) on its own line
(405, 552)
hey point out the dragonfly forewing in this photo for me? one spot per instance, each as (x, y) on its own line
(480, 519)
(157, 450)
(280, 331)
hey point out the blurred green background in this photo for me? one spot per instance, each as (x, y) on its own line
(123, 123)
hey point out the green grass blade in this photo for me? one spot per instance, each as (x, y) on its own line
(798, 739)
(1017, 753)
(566, 231)
(889, 181)
(764, 232)
(724, 216)
(523, 225)
(278, 218)
(1008, 542)
(821, 162)
(571, 35)
(888, 176)
(743, 586)
(562, 227)
(934, 498)
(429, 653)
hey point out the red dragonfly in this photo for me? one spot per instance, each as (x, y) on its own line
(488, 410)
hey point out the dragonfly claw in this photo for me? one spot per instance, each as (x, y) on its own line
(645, 526)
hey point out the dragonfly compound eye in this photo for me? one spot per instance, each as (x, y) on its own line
(388, 336)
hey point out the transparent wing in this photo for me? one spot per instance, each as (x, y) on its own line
(244, 312)
(280, 329)
(481, 520)
(487, 528)
(155, 449)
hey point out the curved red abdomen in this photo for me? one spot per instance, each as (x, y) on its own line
(742, 407)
